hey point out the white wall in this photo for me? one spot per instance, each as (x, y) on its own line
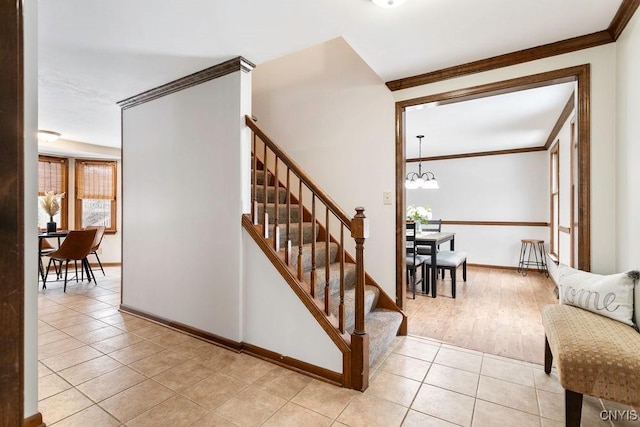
(182, 205)
(512, 187)
(628, 146)
(335, 117)
(603, 132)
(30, 10)
(274, 317)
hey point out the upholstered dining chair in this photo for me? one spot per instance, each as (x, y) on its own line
(75, 247)
(415, 260)
(100, 229)
(434, 226)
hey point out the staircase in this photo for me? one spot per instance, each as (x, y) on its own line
(306, 241)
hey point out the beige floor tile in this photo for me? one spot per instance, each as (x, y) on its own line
(159, 362)
(106, 312)
(51, 336)
(184, 375)
(117, 342)
(43, 370)
(251, 407)
(62, 405)
(92, 416)
(444, 404)
(420, 350)
(193, 347)
(418, 419)
(93, 307)
(169, 338)
(326, 399)
(621, 415)
(71, 358)
(487, 414)
(50, 385)
(134, 401)
(215, 390)
(508, 394)
(89, 370)
(551, 405)
(394, 388)
(295, 415)
(175, 412)
(366, 411)
(83, 328)
(250, 369)
(131, 324)
(101, 334)
(117, 318)
(57, 315)
(49, 350)
(70, 321)
(219, 359)
(453, 379)
(136, 352)
(283, 383)
(43, 328)
(111, 383)
(508, 371)
(405, 366)
(547, 382)
(149, 331)
(214, 420)
(469, 361)
(591, 409)
(545, 422)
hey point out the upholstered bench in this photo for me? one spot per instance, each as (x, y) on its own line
(594, 355)
(451, 260)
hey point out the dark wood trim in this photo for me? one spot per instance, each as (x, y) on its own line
(105, 264)
(566, 230)
(12, 230)
(581, 74)
(34, 420)
(498, 223)
(558, 48)
(294, 364)
(562, 119)
(341, 341)
(222, 69)
(477, 154)
(622, 18)
(198, 333)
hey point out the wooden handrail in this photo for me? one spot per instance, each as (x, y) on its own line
(324, 197)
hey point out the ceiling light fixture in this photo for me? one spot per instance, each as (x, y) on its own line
(388, 3)
(48, 136)
(425, 180)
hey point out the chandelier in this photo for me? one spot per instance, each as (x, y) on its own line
(425, 180)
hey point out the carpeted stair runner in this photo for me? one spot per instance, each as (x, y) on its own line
(381, 324)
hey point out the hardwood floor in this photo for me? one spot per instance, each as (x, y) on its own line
(496, 311)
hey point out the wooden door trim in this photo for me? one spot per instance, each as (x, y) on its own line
(581, 74)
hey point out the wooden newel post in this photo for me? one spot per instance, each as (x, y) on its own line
(359, 337)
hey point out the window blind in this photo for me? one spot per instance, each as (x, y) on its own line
(96, 180)
(52, 175)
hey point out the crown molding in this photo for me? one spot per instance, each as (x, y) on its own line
(622, 18)
(222, 69)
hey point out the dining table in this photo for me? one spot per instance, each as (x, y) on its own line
(433, 240)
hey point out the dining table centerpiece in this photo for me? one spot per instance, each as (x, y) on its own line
(418, 214)
(50, 202)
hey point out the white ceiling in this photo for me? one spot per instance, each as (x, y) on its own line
(514, 120)
(94, 53)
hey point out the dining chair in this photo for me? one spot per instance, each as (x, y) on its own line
(45, 249)
(75, 247)
(100, 229)
(433, 226)
(415, 260)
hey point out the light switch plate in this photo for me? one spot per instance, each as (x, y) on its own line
(387, 198)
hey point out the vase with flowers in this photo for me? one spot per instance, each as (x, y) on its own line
(418, 214)
(51, 205)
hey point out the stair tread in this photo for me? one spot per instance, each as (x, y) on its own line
(382, 327)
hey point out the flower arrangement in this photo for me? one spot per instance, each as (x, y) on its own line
(51, 203)
(418, 214)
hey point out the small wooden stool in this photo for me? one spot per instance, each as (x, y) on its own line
(536, 248)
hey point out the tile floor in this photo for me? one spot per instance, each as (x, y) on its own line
(99, 367)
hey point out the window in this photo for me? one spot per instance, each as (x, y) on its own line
(96, 194)
(52, 176)
(555, 200)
